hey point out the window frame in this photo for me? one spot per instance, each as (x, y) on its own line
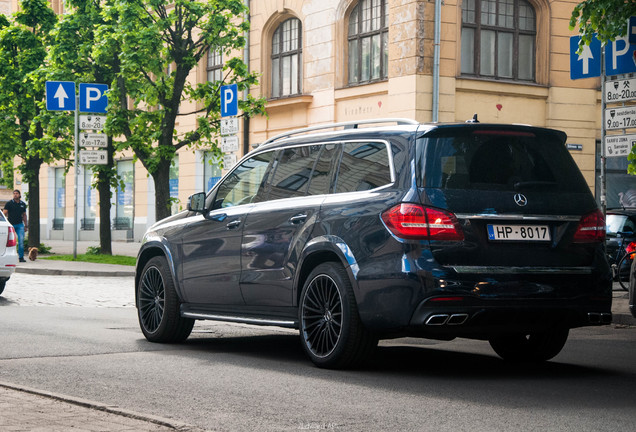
(477, 26)
(277, 90)
(357, 37)
(214, 67)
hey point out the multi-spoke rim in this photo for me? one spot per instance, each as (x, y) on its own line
(322, 316)
(152, 299)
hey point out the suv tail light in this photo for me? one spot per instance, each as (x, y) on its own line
(12, 237)
(413, 221)
(591, 228)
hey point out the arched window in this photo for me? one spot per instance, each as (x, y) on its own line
(215, 65)
(287, 59)
(368, 39)
(498, 39)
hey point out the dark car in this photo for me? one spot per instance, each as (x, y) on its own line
(363, 233)
(621, 240)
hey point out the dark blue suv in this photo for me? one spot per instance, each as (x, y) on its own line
(352, 234)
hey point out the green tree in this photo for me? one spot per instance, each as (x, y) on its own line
(606, 18)
(161, 42)
(73, 57)
(27, 130)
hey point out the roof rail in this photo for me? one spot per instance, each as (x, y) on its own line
(347, 125)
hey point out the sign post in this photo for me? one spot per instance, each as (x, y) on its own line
(61, 96)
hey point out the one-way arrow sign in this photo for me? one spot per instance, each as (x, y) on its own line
(60, 96)
(587, 63)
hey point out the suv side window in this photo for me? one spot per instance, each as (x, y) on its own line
(364, 166)
(244, 182)
(322, 174)
(293, 170)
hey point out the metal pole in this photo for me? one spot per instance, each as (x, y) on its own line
(436, 55)
(76, 175)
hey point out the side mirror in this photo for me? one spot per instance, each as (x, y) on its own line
(196, 202)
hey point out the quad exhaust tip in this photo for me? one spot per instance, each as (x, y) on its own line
(446, 319)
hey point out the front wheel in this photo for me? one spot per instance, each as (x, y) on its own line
(331, 332)
(533, 347)
(158, 305)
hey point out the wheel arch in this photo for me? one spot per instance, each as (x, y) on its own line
(324, 249)
(150, 249)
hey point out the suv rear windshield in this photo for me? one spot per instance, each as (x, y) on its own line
(497, 159)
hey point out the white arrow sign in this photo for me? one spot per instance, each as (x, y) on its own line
(61, 96)
(585, 57)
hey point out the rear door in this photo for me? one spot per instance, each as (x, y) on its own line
(277, 229)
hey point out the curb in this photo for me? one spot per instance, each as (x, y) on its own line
(65, 272)
(160, 421)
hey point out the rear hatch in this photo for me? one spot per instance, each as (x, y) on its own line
(518, 197)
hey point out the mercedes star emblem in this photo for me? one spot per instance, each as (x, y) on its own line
(521, 200)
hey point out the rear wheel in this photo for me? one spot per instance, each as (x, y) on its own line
(3, 283)
(533, 347)
(158, 305)
(330, 328)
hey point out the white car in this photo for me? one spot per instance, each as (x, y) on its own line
(8, 252)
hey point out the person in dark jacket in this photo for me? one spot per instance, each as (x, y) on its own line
(15, 211)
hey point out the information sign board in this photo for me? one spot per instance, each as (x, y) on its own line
(229, 160)
(620, 90)
(93, 157)
(93, 140)
(619, 145)
(229, 144)
(620, 118)
(229, 126)
(94, 122)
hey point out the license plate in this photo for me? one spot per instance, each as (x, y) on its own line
(519, 232)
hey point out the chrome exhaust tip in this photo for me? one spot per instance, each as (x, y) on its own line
(437, 320)
(457, 319)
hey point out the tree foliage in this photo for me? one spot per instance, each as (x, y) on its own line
(605, 18)
(27, 130)
(160, 44)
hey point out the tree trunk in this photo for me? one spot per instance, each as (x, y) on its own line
(33, 167)
(103, 189)
(162, 189)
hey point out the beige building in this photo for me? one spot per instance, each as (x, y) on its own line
(326, 61)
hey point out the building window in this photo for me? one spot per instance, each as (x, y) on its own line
(215, 65)
(368, 42)
(125, 206)
(174, 185)
(287, 59)
(498, 39)
(211, 170)
(90, 201)
(60, 199)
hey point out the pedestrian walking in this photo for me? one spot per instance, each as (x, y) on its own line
(15, 211)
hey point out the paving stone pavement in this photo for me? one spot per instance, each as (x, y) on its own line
(28, 410)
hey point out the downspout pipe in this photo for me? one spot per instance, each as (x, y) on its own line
(246, 59)
(436, 55)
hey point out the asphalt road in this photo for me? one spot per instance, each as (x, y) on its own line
(79, 337)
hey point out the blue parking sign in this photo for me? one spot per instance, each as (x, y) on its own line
(93, 98)
(60, 95)
(619, 57)
(631, 30)
(229, 100)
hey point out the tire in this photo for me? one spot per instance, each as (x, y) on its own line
(628, 255)
(3, 283)
(158, 305)
(534, 347)
(331, 332)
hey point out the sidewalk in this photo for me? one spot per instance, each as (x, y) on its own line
(76, 268)
(25, 409)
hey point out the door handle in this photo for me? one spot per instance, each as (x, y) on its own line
(233, 224)
(298, 219)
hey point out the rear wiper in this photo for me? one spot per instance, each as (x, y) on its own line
(533, 184)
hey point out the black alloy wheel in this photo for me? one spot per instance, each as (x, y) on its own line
(330, 328)
(158, 305)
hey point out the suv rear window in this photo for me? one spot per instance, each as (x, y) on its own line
(497, 159)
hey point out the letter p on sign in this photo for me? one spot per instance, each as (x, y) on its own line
(229, 100)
